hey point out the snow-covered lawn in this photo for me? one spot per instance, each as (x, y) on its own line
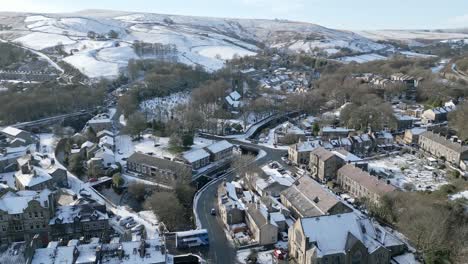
(126, 147)
(418, 172)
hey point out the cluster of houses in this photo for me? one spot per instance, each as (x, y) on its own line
(381, 83)
(33, 206)
(283, 79)
(269, 205)
(14, 143)
(362, 145)
(150, 251)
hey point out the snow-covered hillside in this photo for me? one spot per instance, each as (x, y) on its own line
(199, 40)
(412, 36)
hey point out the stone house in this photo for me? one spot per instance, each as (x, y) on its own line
(411, 136)
(24, 214)
(264, 229)
(300, 153)
(361, 184)
(231, 210)
(324, 164)
(308, 198)
(220, 150)
(161, 170)
(442, 147)
(342, 238)
(198, 158)
(81, 220)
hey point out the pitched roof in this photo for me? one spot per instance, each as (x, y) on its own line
(444, 141)
(309, 198)
(12, 131)
(322, 153)
(194, 155)
(333, 233)
(365, 179)
(37, 176)
(15, 203)
(155, 161)
(219, 146)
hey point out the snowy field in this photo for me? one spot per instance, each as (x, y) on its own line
(362, 58)
(419, 172)
(409, 35)
(223, 52)
(160, 108)
(199, 40)
(103, 58)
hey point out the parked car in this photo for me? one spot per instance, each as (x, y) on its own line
(85, 193)
(130, 225)
(137, 228)
(126, 220)
(213, 211)
(284, 236)
(93, 180)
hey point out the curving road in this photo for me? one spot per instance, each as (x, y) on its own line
(221, 250)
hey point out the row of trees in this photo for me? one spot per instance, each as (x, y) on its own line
(10, 54)
(47, 99)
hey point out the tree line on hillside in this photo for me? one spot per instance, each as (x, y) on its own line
(10, 54)
(47, 99)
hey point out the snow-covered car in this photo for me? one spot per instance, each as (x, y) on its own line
(137, 228)
(126, 220)
(130, 225)
(85, 193)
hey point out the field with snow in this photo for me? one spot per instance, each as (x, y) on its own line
(362, 58)
(199, 40)
(407, 35)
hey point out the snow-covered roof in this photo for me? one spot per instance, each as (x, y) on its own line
(87, 144)
(346, 155)
(235, 96)
(331, 233)
(417, 130)
(195, 155)
(12, 131)
(87, 253)
(106, 140)
(104, 132)
(307, 146)
(15, 203)
(219, 146)
(37, 176)
(329, 129)
(84, 213)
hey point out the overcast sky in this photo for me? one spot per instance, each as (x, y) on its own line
(342, 14)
